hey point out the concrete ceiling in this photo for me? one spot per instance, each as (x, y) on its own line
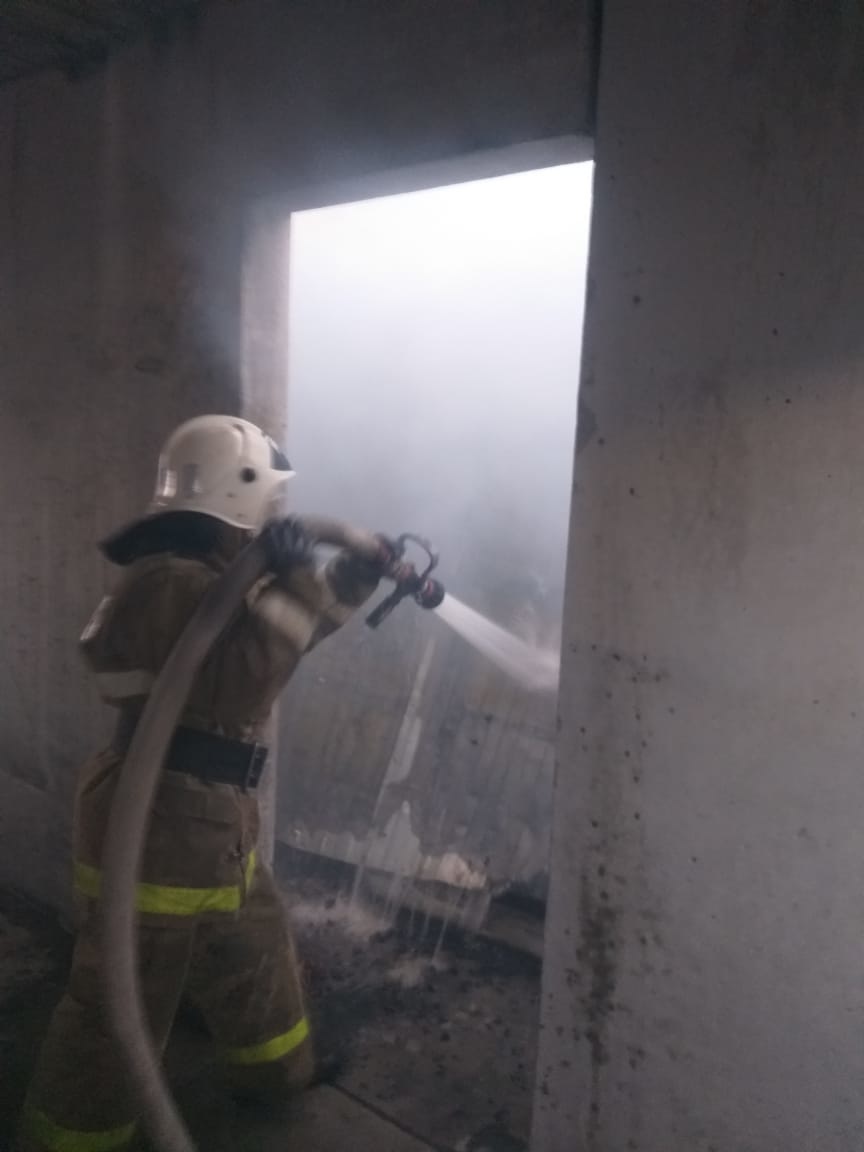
(77, 35)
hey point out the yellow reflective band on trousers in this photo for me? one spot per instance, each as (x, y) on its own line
(43, 1129)
(271, 1050)
(165, 900)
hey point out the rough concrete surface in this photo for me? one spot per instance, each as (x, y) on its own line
(439, 1032)
(704, 974)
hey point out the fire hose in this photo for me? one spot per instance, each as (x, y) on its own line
(136, 788)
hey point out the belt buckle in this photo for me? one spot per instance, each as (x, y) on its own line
(255, 766)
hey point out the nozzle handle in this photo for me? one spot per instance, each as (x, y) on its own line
(383, 610)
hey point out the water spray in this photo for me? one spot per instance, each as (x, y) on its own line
(536, 669)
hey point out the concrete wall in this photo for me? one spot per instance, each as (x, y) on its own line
(704, 982)
(107, 340)
(124, 201)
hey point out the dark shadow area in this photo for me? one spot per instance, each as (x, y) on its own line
(34, 959)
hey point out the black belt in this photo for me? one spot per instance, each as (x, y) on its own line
(216, 759)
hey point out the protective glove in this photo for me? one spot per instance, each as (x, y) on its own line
(286, 543)
(390, 563)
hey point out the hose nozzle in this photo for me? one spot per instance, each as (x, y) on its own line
(425, 591)
(430, 594)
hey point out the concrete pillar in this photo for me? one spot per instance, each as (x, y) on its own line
(265, 402)
(704, 978)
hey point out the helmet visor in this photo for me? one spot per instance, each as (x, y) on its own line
(278, 459)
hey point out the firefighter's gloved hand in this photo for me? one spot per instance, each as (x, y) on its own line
(391, 564)
(286, 543)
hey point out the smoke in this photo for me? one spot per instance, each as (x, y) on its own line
(435, 347)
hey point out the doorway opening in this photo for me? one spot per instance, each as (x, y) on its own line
(433, 366)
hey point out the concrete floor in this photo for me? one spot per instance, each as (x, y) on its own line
(441, 1034)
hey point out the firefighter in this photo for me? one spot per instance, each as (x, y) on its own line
(211, 925)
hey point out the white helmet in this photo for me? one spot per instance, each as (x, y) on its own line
(224, 467)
